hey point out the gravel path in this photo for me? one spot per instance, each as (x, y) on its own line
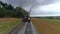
(22, 30)
(34, 29)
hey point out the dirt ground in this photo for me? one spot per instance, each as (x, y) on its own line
(8, 19)
(45, 27)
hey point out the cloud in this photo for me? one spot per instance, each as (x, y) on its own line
(45, 10)
(51, 7)
(28, 3)
(3, 0)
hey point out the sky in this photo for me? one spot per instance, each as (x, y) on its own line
(38, 7)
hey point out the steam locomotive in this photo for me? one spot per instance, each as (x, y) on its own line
(26, 19)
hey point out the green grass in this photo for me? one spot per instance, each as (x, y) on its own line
(6, 25)
(56, 21)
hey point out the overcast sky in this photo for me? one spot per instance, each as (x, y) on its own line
(38, 7)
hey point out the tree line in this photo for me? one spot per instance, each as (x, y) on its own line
(7, 10)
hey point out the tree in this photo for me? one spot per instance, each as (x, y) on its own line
(9, 11)
(2, 14)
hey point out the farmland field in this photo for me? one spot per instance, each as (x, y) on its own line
(7, 24)
(47, 26)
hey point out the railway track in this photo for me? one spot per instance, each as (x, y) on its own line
(24, 28)
(28, 29)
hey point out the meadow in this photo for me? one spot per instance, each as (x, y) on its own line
(47, 26)
(7, 24)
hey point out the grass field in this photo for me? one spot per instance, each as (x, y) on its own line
(7, 24)
(47, 26)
